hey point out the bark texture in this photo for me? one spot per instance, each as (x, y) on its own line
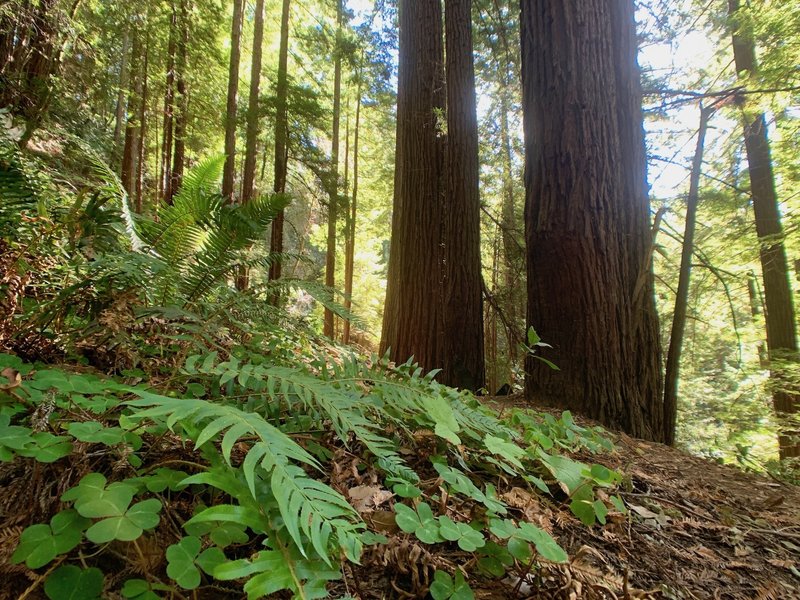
(590, 281)
(333, 183)
(228, 173)
(463, 352)
(182, 116)
(779, 313)
(249, 175)
(281, 140)
(412, 321)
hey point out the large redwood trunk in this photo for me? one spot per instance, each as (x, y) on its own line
(462, 357)
(590, 281)
(412, 321)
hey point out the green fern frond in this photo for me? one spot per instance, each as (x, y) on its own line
(306, 505)
(346, 413)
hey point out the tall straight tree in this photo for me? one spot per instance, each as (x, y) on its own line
(779, 314)
(249, 173)
(333, 183)
(281, 138)
(124, 76)
(182, 116)
(462, 357)
(352, 214)
(587, 226)
(130, 153)
(412, 319)
(165, 176)
(228, 173)
(672, 368)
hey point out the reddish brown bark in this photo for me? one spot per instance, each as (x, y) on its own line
(230, 114)
(590, 282)
(333, 203)
(281, 138)
(412, 321)
(182, 116)
(462, 357)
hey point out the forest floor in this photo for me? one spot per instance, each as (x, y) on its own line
(695, 529)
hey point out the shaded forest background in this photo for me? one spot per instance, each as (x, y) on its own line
(308, 86)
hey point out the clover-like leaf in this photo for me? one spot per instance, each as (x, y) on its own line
(95, 501)
(39, 544)
(139, 589)
(47, 448)
(422, 523)
(96, 432)
(180, 562)
(406, 518)
(126, 527)
(184, 558)
(73, 583)
(445, 588)
(545, 544)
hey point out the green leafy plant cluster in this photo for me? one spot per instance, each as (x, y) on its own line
(264, 428)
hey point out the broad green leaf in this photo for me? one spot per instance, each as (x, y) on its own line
(507, 450)
(39, 544)
(96, 432)
(93, 500)
(545, 544)
(180, 563)
(128, 527)
(70, 582)
(584, 510)
(567, 471)
(138, 589)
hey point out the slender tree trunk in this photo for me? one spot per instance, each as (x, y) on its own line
(130, 154)
(165, 175)
(122, 92)
(182, 117)
(672, 375)
(281, 146)
(463, 357)
(779, 313)
(590, 281)
(333, 205)
(229, 171)
(141, 147)
(251, 141)
(350, 249)
(249, 174)
(412, 320)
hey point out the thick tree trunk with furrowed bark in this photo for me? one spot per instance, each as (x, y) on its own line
(462, 357)
(590, 281)
(412, 321)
